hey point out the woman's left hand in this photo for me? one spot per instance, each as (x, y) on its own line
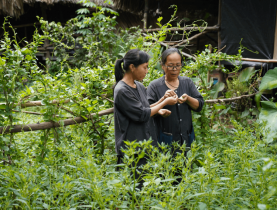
(164, 112)
(183, 98)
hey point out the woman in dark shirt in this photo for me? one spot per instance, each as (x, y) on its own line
(132, 112)
(179, 123)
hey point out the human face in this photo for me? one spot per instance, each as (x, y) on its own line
(140, 71)
(172, 60)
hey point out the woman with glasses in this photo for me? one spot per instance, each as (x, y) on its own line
(179, 123)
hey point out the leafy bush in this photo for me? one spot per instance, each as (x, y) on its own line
(230, 165)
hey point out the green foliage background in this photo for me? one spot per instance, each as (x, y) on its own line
(232, 163)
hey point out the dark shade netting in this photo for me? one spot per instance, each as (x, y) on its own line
(252, 20)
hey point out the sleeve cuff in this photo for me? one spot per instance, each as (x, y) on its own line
(145, 115)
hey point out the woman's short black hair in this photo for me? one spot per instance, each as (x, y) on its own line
(135, 57)
(168, 52)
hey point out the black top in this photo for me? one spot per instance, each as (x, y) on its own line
(132, 112)
(179, 123)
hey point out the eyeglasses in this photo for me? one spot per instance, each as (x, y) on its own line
(171, 68)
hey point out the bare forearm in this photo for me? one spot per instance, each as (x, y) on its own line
(158, 102)
(192, 102)
(156, 108)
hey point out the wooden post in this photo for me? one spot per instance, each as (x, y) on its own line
(221, 76)
(275, 40)
(46, 41)
(145, 16)
(26, 34)
(208, 75)
(219, 24)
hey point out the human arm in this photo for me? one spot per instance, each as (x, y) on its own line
(164, 112)
(158, 107)
(131, 107)
(192, 102)
(194, 99)
(168, 93)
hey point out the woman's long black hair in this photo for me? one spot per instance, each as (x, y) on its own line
(135, 57)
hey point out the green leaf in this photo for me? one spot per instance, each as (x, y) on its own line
(104, 9)
(90, 108)
(202, 206)
(219, 106)
(22, 201)
(269, 80)
(162, 38)
(216, 89)
(245, 113)
(246, 74)
(114, 181)
(28, 57)
(269, 115)
(262, 206)
(5, 148)
(2, 61)
(83, 11)
(2, 106)
(141, 155)
(25, 51)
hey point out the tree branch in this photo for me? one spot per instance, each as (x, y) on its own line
(228, 99)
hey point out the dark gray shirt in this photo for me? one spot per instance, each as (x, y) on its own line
(179, 123)
(132, 112)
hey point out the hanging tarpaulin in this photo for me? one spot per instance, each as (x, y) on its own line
(252, 20)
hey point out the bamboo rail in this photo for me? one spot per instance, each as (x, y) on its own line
(208, 28)
(40, 103)
(259, 60)
(47, 125)
(228, 99)
(77, 120)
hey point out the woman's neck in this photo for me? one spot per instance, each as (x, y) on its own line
(129, 80)
(173, 80)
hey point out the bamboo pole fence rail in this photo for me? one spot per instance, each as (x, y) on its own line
(78, 120)
(47, 125)
(208, 28)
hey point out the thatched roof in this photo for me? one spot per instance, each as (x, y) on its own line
(15, 8)
(12, 8)
(130, 6)
(137, 6)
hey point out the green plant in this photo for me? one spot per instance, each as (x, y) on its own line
(17, 65)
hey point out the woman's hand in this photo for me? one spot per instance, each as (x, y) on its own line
(192, 102)
(171, 100)
(183, 98)
(170, 93)
(164, 112)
